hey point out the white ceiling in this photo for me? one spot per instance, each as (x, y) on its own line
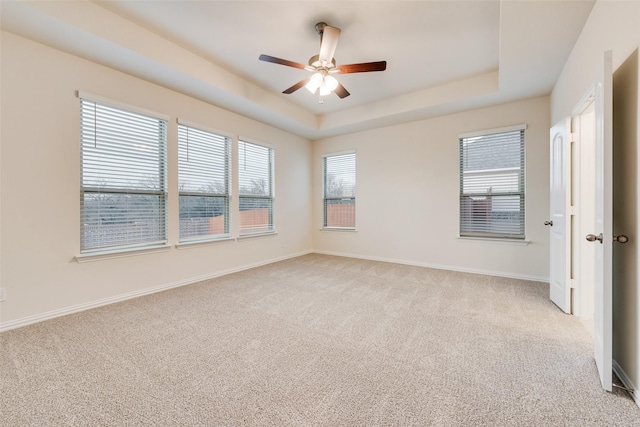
(442, 56)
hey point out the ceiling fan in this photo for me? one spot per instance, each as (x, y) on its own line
(323, 66)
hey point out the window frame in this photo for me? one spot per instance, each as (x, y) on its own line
(270, 197)
(161, 192)
(326, 199)
(227, 173)
(463, 229)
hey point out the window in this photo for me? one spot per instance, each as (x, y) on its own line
(255, 180)
(204, 162)
(339, 201)
(123, 178)
(492, 184)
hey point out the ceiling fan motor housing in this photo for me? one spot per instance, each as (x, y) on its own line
(314, 62)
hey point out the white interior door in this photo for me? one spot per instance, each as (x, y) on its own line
(602, 235)
(559, 223)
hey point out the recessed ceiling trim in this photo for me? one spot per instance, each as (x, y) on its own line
(141, 39)
(437, 95)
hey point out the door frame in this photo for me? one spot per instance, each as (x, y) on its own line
(595, 214)
(583, 182)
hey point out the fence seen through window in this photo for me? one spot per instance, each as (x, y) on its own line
(339, 200)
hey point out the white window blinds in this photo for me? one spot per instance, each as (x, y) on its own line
(204, 163)
(255, 180)
(339, 201)
(123, 183)
(492, 185)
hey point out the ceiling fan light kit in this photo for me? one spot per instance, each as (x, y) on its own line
(324, 64)
(322, 81)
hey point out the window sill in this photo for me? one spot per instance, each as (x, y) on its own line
(121, 253)
(348, 230)
(253, 235)
(198, 243)
(496, 240)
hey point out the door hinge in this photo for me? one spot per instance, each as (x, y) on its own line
(572, 210)
(573, 136)
(572, 283)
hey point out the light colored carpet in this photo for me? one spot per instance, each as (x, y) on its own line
(314, 341)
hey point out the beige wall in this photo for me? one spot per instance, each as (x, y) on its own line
(40, 188)
(407, 194)
(613, 25)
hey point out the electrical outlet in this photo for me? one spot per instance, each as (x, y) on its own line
(3, 294)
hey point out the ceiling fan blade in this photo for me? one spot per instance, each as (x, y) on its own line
(280, 61)
(364, 67)
(328, 44)
(297, 86)
(341, 91)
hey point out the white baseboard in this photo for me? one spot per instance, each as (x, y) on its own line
(626, 381)
(117, 298)
(439, 266)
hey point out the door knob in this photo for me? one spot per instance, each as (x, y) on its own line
(621, 238)
(549, 223)
(593, 237)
